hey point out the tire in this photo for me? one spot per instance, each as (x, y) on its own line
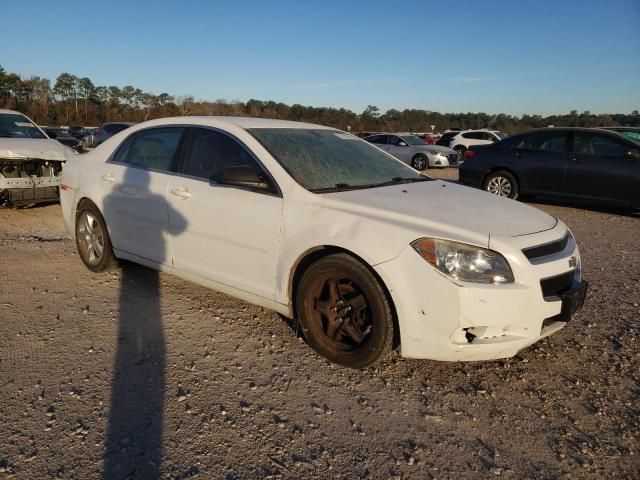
(344, 312)
(420, 162)
(461, 149)
(501, 183)
(92, 239)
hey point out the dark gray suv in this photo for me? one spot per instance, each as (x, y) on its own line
(107, 130)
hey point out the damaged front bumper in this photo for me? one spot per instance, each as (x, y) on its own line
(443, 320)
(30, 182)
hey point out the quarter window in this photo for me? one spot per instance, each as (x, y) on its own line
(154, 149)
(545, 141)
(210, 151)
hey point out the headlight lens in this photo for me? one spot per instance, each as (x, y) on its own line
(464, 262)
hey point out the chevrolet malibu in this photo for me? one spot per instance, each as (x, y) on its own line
(365, 252)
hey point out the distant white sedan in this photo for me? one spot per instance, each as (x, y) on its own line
(414, 151)
(323, 227)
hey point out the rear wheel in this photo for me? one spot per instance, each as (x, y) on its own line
(501, 183)
(344, 312)
(92, 239)
(420, 162)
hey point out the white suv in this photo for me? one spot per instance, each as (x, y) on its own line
(463, 140)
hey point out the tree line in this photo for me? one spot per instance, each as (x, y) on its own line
(73, 100)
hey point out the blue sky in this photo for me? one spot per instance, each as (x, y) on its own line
(506, 56)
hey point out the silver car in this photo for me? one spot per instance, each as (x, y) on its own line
(413, 151)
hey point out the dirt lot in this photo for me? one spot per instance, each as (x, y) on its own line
(140, 375)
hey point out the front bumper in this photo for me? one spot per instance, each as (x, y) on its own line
(443, 320)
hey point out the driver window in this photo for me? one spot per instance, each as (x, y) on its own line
(393, 140)
(210, 151)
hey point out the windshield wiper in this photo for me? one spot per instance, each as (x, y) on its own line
(343, 187)
(399, 180)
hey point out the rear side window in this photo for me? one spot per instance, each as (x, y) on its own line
(474, 135)
(378, 139)
(545, 141)
(210, 151)
(598, 145)
(154, 149)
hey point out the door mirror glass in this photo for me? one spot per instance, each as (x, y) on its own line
(243, 176)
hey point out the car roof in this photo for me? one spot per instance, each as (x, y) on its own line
(240, 122)
(13, 112)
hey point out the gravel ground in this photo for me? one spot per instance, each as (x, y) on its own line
(136, 374)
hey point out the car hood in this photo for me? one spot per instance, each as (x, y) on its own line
(438, 207)
(41, 148)
(436, 148)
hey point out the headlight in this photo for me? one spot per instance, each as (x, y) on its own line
(464, 262)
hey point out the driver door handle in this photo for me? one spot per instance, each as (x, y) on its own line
(181, 192)
(108, 178)
(575, 160)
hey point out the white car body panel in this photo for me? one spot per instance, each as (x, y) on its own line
(40, 148)
(235, 246)
(248, 244)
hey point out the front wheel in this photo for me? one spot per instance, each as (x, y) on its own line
(420, 162)
(501, 183)
(344, 311)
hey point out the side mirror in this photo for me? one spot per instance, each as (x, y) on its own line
(244, 176)
(402, 144)
(632, 154)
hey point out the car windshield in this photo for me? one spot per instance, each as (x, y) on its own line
(632, 134)
(412, 140)
(18, 126)
(501, 135)
(329, 160)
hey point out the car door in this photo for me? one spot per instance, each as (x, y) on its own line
(540, 161)
(603, 167)
(226, 234)
(134, 192)
(397, 147)
(379, 141)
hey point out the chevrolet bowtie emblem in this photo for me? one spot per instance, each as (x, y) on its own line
(573, 261)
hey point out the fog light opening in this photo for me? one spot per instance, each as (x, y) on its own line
(469, 336)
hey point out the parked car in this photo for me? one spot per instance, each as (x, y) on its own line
(321, 226)
(76, 131)
(107, 130)
(88, 140)
(445, 138)
(463, 140)
(632, 132)
(427, 138)
(62, 136)
(585, 163)
(413, 151)
(30, 162)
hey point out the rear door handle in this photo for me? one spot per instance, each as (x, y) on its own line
(575, 160)
(108, 178)
(181, 192)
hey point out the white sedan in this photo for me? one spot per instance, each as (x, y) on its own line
(321, 226)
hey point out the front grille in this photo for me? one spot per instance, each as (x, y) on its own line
(533, 253)
(553, 287)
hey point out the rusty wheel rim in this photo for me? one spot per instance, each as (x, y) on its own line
(342, 318)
